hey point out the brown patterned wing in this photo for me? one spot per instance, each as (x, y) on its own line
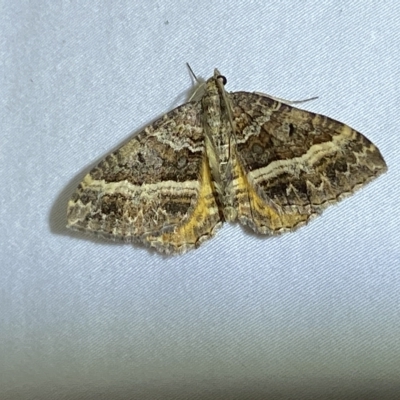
(156, 189)
(294, 163)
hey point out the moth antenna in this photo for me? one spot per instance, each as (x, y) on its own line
(200, 83)
(192, 73)
(289, 102)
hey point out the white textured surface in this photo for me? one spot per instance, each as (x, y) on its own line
(314, 314)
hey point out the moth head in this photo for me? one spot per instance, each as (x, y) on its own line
(219, 77)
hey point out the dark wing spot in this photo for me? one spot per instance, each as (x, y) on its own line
(257, 148)
(341, 165)
(182, 161)
(291, 129)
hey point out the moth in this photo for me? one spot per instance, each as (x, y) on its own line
(229, 157)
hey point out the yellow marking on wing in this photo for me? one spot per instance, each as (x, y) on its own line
(202, 219)
(261, 213)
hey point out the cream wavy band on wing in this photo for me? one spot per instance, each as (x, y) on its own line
(297, 164)
(145, 190)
